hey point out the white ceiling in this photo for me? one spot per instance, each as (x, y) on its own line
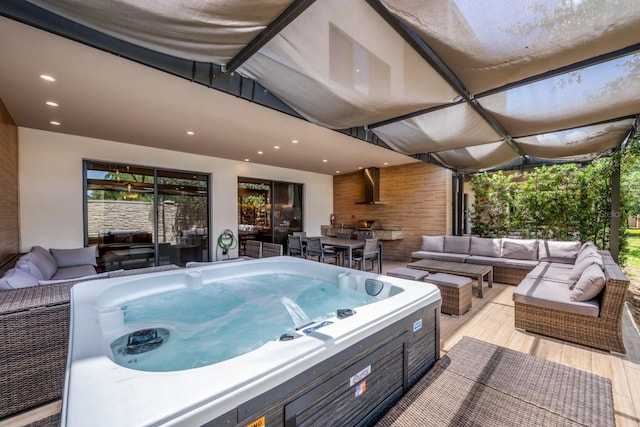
(104, 96)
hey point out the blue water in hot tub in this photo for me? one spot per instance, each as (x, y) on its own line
(226, 319)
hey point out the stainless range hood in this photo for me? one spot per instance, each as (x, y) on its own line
(371, 187)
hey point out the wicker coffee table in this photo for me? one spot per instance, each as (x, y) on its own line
(457, 268)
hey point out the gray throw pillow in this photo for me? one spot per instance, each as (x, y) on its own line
(16, 278)
(589, 285)
(26, 263)
(73, 257)
(554, 251)
(432, 243)
(526, 249)
(484, 246)
(44, 260)
(578, 269)
(457, 244)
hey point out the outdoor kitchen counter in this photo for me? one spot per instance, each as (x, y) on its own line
(384, 233)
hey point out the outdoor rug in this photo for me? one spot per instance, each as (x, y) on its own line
(481, 384)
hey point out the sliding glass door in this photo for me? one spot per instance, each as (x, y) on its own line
(140, 216)
(268, 210)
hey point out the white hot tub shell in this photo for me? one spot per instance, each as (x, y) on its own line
(345, 373)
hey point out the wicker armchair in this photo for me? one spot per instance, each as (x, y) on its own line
(603, 332)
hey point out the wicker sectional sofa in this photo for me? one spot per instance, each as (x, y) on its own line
(566, 290)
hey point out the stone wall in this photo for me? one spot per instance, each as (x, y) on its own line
(417, 198)
(9, 204)
(109, 215)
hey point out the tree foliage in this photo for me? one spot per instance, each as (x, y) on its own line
(561, 202)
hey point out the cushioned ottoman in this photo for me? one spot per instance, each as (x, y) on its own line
(455, 291)
(408, 273)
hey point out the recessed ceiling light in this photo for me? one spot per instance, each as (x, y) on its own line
(337, 171)
(294, 141)
(52, 104)
(359, 167)
(53, 122)
(260, 152)
(386, 163)
(324, 160)
(276, 147)
(190, 132)
(47, 77)
(246, 160)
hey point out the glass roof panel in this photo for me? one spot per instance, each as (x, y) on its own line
(594, 94)
(447, 128)
(489, 46)
(340, 65)
(479, 157)
(579, 141)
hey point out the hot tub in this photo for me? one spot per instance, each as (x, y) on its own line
(346, 367)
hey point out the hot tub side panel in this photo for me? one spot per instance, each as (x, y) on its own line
(354, 387)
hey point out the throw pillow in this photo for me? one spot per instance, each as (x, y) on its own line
(44, 260)
(73, 257)
(432, 243)
(580, 266)
(26, 263)
(457, 244)
(484, 246)
(526, 249)
(554, 251)
(16, 278)
(589, 285)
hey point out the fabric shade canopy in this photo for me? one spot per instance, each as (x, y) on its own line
(474, 85)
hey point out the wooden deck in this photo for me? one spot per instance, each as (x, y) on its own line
(491, 319)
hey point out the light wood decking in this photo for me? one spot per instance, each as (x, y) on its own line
(491, 319)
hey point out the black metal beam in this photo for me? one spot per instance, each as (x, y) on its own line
(430, 56)
(272, 30)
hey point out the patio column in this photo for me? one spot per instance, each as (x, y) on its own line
(457, 212)
(614, 237)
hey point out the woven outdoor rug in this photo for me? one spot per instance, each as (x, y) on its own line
(481, 384)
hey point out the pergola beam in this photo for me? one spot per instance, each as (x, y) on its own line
(272, 30)
(430, 56)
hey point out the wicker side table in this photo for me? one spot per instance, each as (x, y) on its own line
(455, 291)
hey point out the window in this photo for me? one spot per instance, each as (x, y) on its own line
(268, 210)
(141, 216)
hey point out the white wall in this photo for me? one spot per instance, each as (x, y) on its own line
(50, 180)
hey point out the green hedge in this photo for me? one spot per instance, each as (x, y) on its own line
(564, 202)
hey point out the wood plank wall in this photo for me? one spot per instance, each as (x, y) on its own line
(418, 199)
(9, 221)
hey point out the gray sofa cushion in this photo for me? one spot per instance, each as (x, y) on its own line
(74, 272)
(589, 285)
(521, 264)
(554, 251)
(457, 244)
(483, 246)
(526, 249)
(16, 278)
(73, 257)
(27, 263)
(45, 261)
(554, 295)
(580, 266)
(432, 243)
(556, 272)
(439, 256)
